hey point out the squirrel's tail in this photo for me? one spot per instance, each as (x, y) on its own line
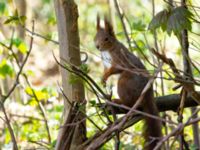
(152, 127)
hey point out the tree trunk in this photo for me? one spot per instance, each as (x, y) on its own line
(67, 20)
(188, 71)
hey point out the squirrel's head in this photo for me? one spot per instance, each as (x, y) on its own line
(105, 37)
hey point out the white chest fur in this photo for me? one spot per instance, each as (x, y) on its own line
(105, 55)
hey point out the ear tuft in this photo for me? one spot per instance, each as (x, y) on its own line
(98, 22)
(108, 27)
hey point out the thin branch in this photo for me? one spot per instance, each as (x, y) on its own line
(141, 112)
(15, 147)
(41, 108)
(40, 143)
(122, 21)
(39, 35)
(180, 127)
(25, 116)
(4, 97)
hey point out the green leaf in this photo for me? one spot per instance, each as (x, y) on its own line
(138, 26)
(22, 48)
(40, 95)
(22, 19)
(15, 19)
(50, 91)
(30, 73)
(172, 21)
(73, 79)
(2, 7)
(53, 143)
(6, 69)
(11, 19)
(179, 20)
(51, 20)
(18, 43)
(85, 68)
(92, 103)
(159, 20)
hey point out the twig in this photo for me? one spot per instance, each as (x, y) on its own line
(15, 147)
(123, 24)
(40, 143)
(39, 35)
(24, 116)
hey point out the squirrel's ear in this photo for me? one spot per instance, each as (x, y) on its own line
(108, 27)
(98, 22)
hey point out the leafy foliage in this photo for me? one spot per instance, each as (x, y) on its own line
(174, 20)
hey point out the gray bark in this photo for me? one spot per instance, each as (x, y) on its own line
(67, 16)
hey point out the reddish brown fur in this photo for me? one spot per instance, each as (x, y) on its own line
(130, 84)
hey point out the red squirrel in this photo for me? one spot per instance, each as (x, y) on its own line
(130, 83)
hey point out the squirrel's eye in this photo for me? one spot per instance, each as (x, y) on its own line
(106, 39)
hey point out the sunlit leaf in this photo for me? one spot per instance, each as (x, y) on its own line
(22, 48)
(18, 43)
(32, 102)
(50, 91)
(40, 95)
(30, 73)
(6, 69)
